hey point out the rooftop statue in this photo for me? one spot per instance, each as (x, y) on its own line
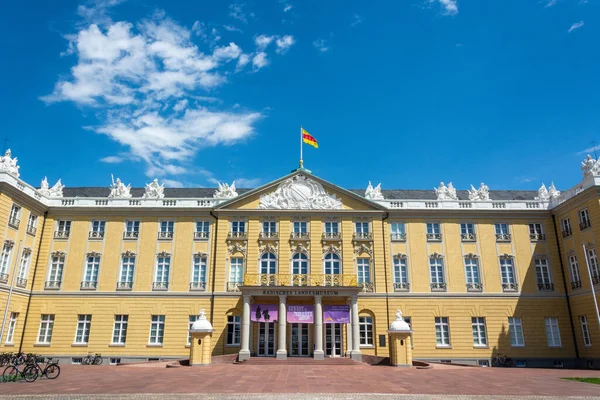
(154, 190)
(54, 191)
(373, 193)
(119, 190)
(590, 166)
(444, 192)
(543, 193)
(225, 191)
(481, 194)
(553, 192)
(9, 164)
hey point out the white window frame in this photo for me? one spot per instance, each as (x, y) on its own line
(56, 270)
(398, 230)
(233, 332)
(24, 264)
(472, 270)
(159, 273)
(63, 225)
(433, 228)
(552, 331)
(300, 262)
(565, 224)
(236, 270)
(584, 216)
(499, 228)
(542, 270)
(46, 328)
(479, 332)
(268, 226)
(593, 260)
(157, 330)
(98, 225)
(331, 227)
(442, 332)
(84, 326)
(535, 230)
(401, 270)
(12, 326)
(132, 226)
(507, 264)
(268, 264)
(361, 227)
(366, 331)
(120, 329)
(92, 269)
(515, 329)
(331, 263)
(32, 222)
(191, 321)
(5, 257)
(574, 268)
(585, 331)
(166, 226)
(467, 228)
(203, 225)
(199, 269)
(437, 273)
(363, 269)
(238, 226)
(300, 227)
(15, 214)
(127, 270)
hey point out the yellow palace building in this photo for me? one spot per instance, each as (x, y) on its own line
(300, 267)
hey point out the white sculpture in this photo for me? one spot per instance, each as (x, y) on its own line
(444, 192)
(590, 166)
(543, 194)
(154, 190)
(300, 193)
(373, 193)
(399, 324)
(202, 324)
(481, 194)
(553, 192)
(119, 190)
(54, 191)
(9, 164)
(225, 191)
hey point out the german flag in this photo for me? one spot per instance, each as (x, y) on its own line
(308, 139)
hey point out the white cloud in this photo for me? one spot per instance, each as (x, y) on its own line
(524, 179)
(260, 60)
(180, 105)
(357, 20)
(112, 160)
(550, 3)
(287, 7)
(450, 6)
(284, 43)
(232, 28)
(243, 60)
(576, 25)
(172, 184)
(263, 41)
(247, 183)
(237, 11)
(590, 150)
(321, 45)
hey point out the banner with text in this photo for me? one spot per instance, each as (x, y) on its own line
(263, 312)
(301, 314)
(336, 314)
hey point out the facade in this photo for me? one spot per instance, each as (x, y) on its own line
(301, 267)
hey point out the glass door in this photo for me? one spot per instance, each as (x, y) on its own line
(299, 343)
(333, 340)
(266, 339)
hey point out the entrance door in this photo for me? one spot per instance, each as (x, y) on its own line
(266, 339)
(333, 340)
(299, 345)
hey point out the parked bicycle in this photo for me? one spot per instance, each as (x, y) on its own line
(33, 370)
(502, 360)
(90, 359)
(13, 373)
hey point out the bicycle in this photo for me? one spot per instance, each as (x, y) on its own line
(12, 373)
(33, 370)
(92, 359)
(502, 360)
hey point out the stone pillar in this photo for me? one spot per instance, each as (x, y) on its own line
(349, 338)
(400, 342)
(281, 342)
(319, 354)
(355, 354)
(200, 346)
(244, 353)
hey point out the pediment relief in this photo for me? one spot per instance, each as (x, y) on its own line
(300, 193)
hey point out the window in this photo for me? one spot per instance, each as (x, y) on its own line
(585, 331)
(120, 329)
(5, 260)
(299, 264)
(552, 332)
(515, 328)
(593, 259)
(12, 325)
(472, 272)
(269, 227)
(191, 321)
(97, 229)
(163, 265)
(268, 263)
(127, 271)
(566, 227)
(436, 269)
(332, 264)
(132, 229)
(542, 272)
(361, 228)
(479, 332)
(364, 270)
(167, 226)
(433, 231)
(238, 226)
(300, 227)
(398, 231)
(157, 329)
(502, 232)
(507, 271)
(63, 228)
(467, 231)
(442, 332)
(236, 269)
(536, 232)
(332, 228)
(584, 219)
(234, 330)
(400, 273)
(23, 267)
(56, 269)
(115, 361)
(32, 224)
(199, 272)
(84, 323)
(202, 229)
(15, 214)
(574, 267)
(365, 325)
(46, 326)
(92, 267)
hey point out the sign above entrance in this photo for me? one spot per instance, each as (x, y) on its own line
(336, 314)
(263, 312)
(301, 314)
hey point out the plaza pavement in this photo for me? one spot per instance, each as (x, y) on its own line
(229, 381)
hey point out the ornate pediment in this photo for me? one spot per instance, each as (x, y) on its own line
(268, 249)
(333, 249)
(128, 253)
(399, 256)
(237, 248)
(201, 254)
(363, 248)
(471, 256)
(300, 249)
(300, 193)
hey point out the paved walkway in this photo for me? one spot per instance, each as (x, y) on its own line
(265, 379)
(293, 396)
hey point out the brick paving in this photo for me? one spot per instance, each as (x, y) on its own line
(233, 379)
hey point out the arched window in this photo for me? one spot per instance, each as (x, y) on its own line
(331, 264)
(268, 264)
(365, 327)
(299, 264)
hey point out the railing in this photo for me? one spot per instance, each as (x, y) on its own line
(300, 280)
(468, 237)
(595, 279)
(131, 235)
(52, 285)
(237, 235)
(3, 278)
(200, 235)
(31, 230)
(14, 222)
(537, 236)
(268, 235)
(331, 236)
(21, 282)
(61, 234)
(576, 285)
(125, 285)
(367, 287)
(362, 236)
(584, 225)
(198, 286)
(96, 235)
(401, 286)
(546, 287)
(160, 286)
(474, 287)
(434, 237)
(503, 237)
(233, 286)
(300, 236)
(438, 287)
(567, 233)
(510, 287)
(165, 235)
(398, 237)
(89, 285)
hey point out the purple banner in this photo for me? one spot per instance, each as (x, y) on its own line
(336, 314)
(263, 312)
(301, 314)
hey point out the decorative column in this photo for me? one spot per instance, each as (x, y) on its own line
(281, 347)
(200, 348)
(319, 354)
(355, 354)
(244, 353)
(400, 343)
(349, 338)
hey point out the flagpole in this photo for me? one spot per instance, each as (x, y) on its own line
(301, 162)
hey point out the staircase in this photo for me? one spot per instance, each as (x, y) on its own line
(299, 361)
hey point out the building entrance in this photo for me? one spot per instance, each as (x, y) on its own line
(266, 339)
(299, 344)
(333, 340)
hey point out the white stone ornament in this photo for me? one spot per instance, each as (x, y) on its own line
(481, 194)
(399, 324)
(54, 191)
(300, 193)
(154, 190)
(118, 190)
(202, 324)
(9, 164)
(553, 192)
(590, 166)
(373, 193)
(543, 194)
(225, 191)
(444, 192)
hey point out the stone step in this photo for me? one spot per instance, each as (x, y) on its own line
(300, 361)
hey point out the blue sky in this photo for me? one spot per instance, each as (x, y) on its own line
(407, 93)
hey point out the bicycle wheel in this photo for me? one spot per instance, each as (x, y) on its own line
(52, 371)
(10, 374)
(97, 360)
(87, 360)
(30, 373)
